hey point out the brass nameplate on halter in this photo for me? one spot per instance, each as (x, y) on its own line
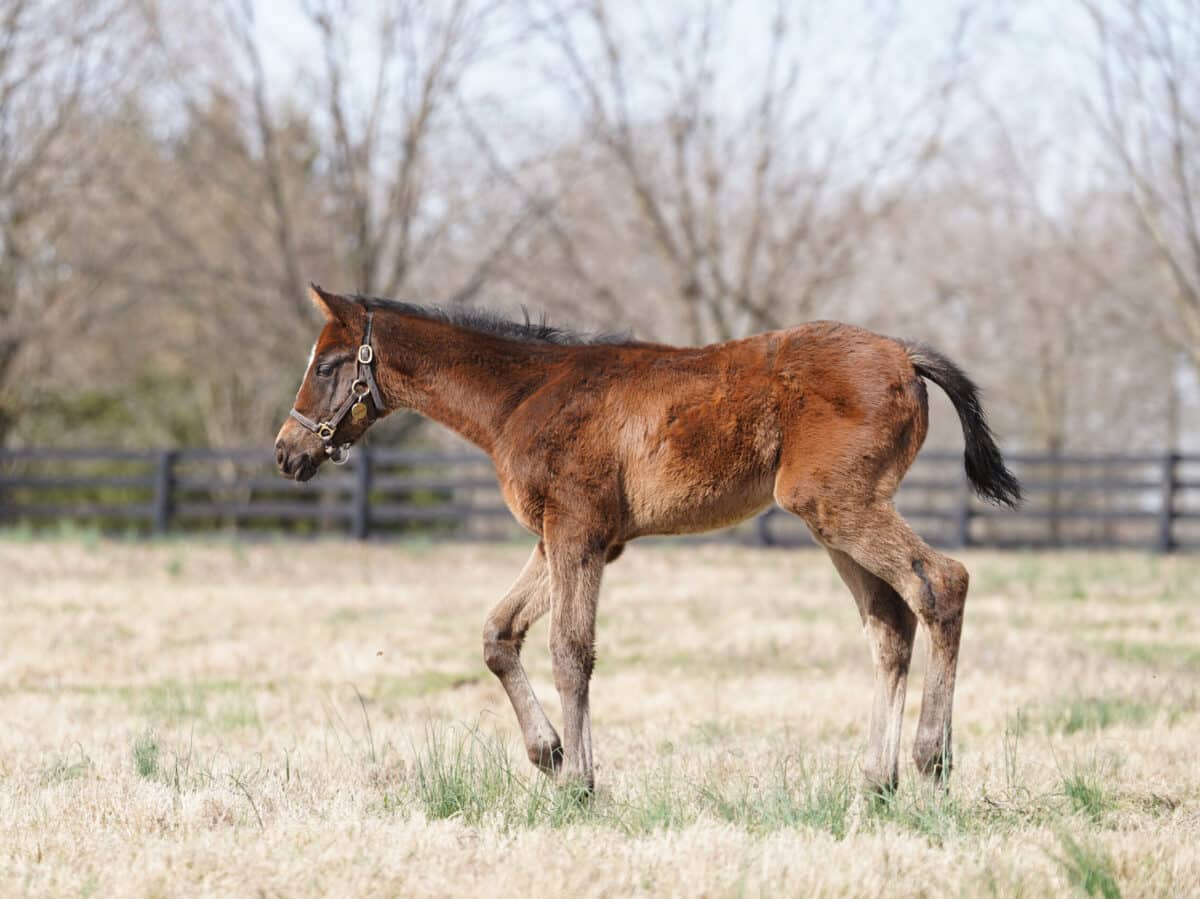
(358, 412)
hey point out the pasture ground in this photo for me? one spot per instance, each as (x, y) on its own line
(315, 720)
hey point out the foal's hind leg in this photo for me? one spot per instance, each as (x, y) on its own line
(889, 625)
(932, 585)
(503, 633)
(935, 587)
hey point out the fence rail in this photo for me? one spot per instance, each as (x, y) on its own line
(1144, 500)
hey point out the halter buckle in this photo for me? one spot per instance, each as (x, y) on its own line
(325, 430)
(366, 355)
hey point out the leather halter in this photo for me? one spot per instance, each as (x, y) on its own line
(363, 386)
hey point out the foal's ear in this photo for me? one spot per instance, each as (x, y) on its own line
(331, 305)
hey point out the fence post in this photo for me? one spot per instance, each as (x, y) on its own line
(1166, 510)
(360, 515)
(1054, 500)
(762, 528)
(164, 489)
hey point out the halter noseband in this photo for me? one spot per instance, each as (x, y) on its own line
(353, 405)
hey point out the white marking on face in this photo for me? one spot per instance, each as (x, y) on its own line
(312, 354)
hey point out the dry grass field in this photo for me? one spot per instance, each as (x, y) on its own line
(315, 720)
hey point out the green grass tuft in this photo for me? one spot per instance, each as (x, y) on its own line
(1090, 868)
(1087, 792)
(145, 755)
(470, 777)
(659, 801)
(926, 808)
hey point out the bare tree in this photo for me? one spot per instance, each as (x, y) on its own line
(170, 179)
(225, 201)
(60, 66)
(753, 198)
(398, 189)
(1145, 106)
(983, 267)
(362, 185)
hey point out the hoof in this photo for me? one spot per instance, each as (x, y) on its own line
(546, 756)
(933, 760)
(577, 786)
(876, 787)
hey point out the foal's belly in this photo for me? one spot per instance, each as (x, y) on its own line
(697, 507)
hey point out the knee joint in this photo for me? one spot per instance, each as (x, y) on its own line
(894, 657)
(957, 580)
(953, 598)
(500, 648)
(941, 591)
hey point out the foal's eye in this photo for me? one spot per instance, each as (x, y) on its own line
(325, 369)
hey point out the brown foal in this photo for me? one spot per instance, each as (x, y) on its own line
(599, 440)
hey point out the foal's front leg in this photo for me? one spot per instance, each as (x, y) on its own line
(576, 564)
(503, 633)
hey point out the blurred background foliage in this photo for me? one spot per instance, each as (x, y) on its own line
(1015, 183)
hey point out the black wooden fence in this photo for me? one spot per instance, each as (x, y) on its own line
(1149, 501)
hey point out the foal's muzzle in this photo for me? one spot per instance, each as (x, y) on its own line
(298, 454)
(299, 465)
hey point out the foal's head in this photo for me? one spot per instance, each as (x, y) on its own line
(338, 399)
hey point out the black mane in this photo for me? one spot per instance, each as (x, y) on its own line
(487, 322)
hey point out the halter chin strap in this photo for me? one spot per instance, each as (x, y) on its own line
(364, 385)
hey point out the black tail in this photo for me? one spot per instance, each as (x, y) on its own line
(985, 466)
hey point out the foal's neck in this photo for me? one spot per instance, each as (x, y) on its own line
(464, 379)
